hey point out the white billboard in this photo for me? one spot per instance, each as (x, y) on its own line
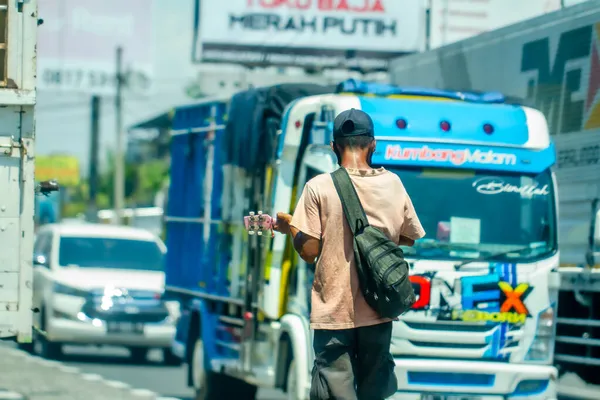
(78, 39)
(361, 34)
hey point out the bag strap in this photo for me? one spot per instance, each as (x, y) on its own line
(353, 210)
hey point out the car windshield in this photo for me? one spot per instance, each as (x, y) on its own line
(101, 252)
(481, 214)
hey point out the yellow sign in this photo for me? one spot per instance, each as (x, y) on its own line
(63, 169)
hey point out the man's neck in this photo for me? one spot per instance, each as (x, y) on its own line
(355, 160)
(355, 163)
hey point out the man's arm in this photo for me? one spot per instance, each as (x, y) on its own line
(307, 246)
(412, 228)
(305, 228)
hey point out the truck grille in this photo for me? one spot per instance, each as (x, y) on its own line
(458, 341)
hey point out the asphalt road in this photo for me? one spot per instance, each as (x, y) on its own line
(113, 364)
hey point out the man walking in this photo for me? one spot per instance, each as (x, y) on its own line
(351, 341)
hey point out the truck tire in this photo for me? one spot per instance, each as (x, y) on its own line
(291, 381)
(211, 385)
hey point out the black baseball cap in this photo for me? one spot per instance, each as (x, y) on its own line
(353, 122)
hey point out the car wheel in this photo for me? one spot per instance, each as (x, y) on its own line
(138, 355)
(210, 385)
(43, 347)
(171, 359)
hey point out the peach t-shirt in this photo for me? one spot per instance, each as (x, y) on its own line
(337, 301)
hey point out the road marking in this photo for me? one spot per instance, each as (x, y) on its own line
(144, 393)
(47, 363)
(140, 393)
(7, 395)
(117, 384)
(92, 377)
(69, 369)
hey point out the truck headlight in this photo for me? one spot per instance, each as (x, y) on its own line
(542, 347)
(69, 290)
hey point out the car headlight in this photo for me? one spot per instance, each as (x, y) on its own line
(542, 347)
(174, 310)
(69, 290)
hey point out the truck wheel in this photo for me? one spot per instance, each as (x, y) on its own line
(292, 382)
(196, 366)
(211, 385)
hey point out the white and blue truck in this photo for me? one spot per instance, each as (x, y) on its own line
(479, 170)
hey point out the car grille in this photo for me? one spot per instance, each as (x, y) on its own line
(139, 307)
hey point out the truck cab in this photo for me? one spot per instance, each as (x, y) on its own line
(479, 174)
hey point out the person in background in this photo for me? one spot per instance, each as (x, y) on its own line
(351, 341)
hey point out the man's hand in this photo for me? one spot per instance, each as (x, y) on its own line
(282, 225)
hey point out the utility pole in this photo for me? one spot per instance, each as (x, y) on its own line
(94, 150)
(428, 25)
(119, 181)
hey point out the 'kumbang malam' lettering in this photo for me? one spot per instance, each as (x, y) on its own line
(456, 157)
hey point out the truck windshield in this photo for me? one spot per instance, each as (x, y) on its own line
(478, 214)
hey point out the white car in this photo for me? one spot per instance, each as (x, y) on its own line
(102, 285)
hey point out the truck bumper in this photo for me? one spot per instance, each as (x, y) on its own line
(476, 380)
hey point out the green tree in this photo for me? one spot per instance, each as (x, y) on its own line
(142, 181)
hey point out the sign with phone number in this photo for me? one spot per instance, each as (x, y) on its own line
(97, 81)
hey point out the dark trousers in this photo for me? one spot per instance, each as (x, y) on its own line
(353, 364)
